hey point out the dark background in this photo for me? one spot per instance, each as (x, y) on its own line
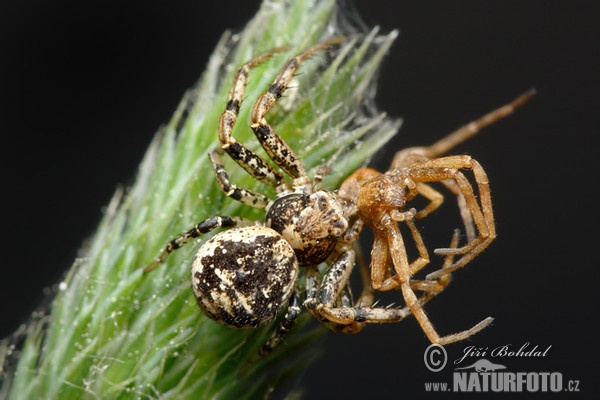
(84, 87)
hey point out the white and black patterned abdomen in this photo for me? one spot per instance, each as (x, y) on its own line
(243, 277)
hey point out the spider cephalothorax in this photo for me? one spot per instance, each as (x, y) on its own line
(311, 223)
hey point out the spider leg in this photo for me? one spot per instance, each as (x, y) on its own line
(321, 298)
(355, 318)
(380, 260)
(247, 159)
(472, 128)
(360, 315)
(407, 157)
(423, 258)
(403, 271)
(335, 279)
(380, 267)
(242, 195)
(277, 149)
(417, 309)
(312, 285)
(435, 199)
(433, 287)
(463, 209)
(448, 168)
(286, 324)
(367, 296)
(201, 228)
(311, 302)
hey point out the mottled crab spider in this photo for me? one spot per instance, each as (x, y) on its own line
(245, 276)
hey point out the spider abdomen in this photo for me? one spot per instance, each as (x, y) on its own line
(243, 277)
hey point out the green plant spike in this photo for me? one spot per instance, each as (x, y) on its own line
(113, 332)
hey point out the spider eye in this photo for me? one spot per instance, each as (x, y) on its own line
(338, 223)
(319, 201)
(323, 204)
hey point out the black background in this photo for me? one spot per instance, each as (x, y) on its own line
(84, 86)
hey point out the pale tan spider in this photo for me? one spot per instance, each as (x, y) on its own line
(383, 201)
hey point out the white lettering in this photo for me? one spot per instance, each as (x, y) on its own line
(507, 381)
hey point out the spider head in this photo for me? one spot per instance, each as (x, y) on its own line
(311, 223)
(380, 196)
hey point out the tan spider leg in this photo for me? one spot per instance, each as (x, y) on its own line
(432, 288)
(402, 267)
(379, 270)
(483, 218)
(380, 257)
(407, 157)
(353, 319)
(367, 295)
(435, 199)
(447, 168)
(463, 209)
(472, 128)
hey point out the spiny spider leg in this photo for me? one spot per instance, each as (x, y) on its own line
(407, 157)
(242, 195)
(277, 149)
(286, 324)
(367, 295)
(403, 271)
(435, 199)
(380, 265)
(323, 296)
(431, 287)
(467, 131)
(353, 319)
(203, 227)
(247, 159)
(448, 168)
